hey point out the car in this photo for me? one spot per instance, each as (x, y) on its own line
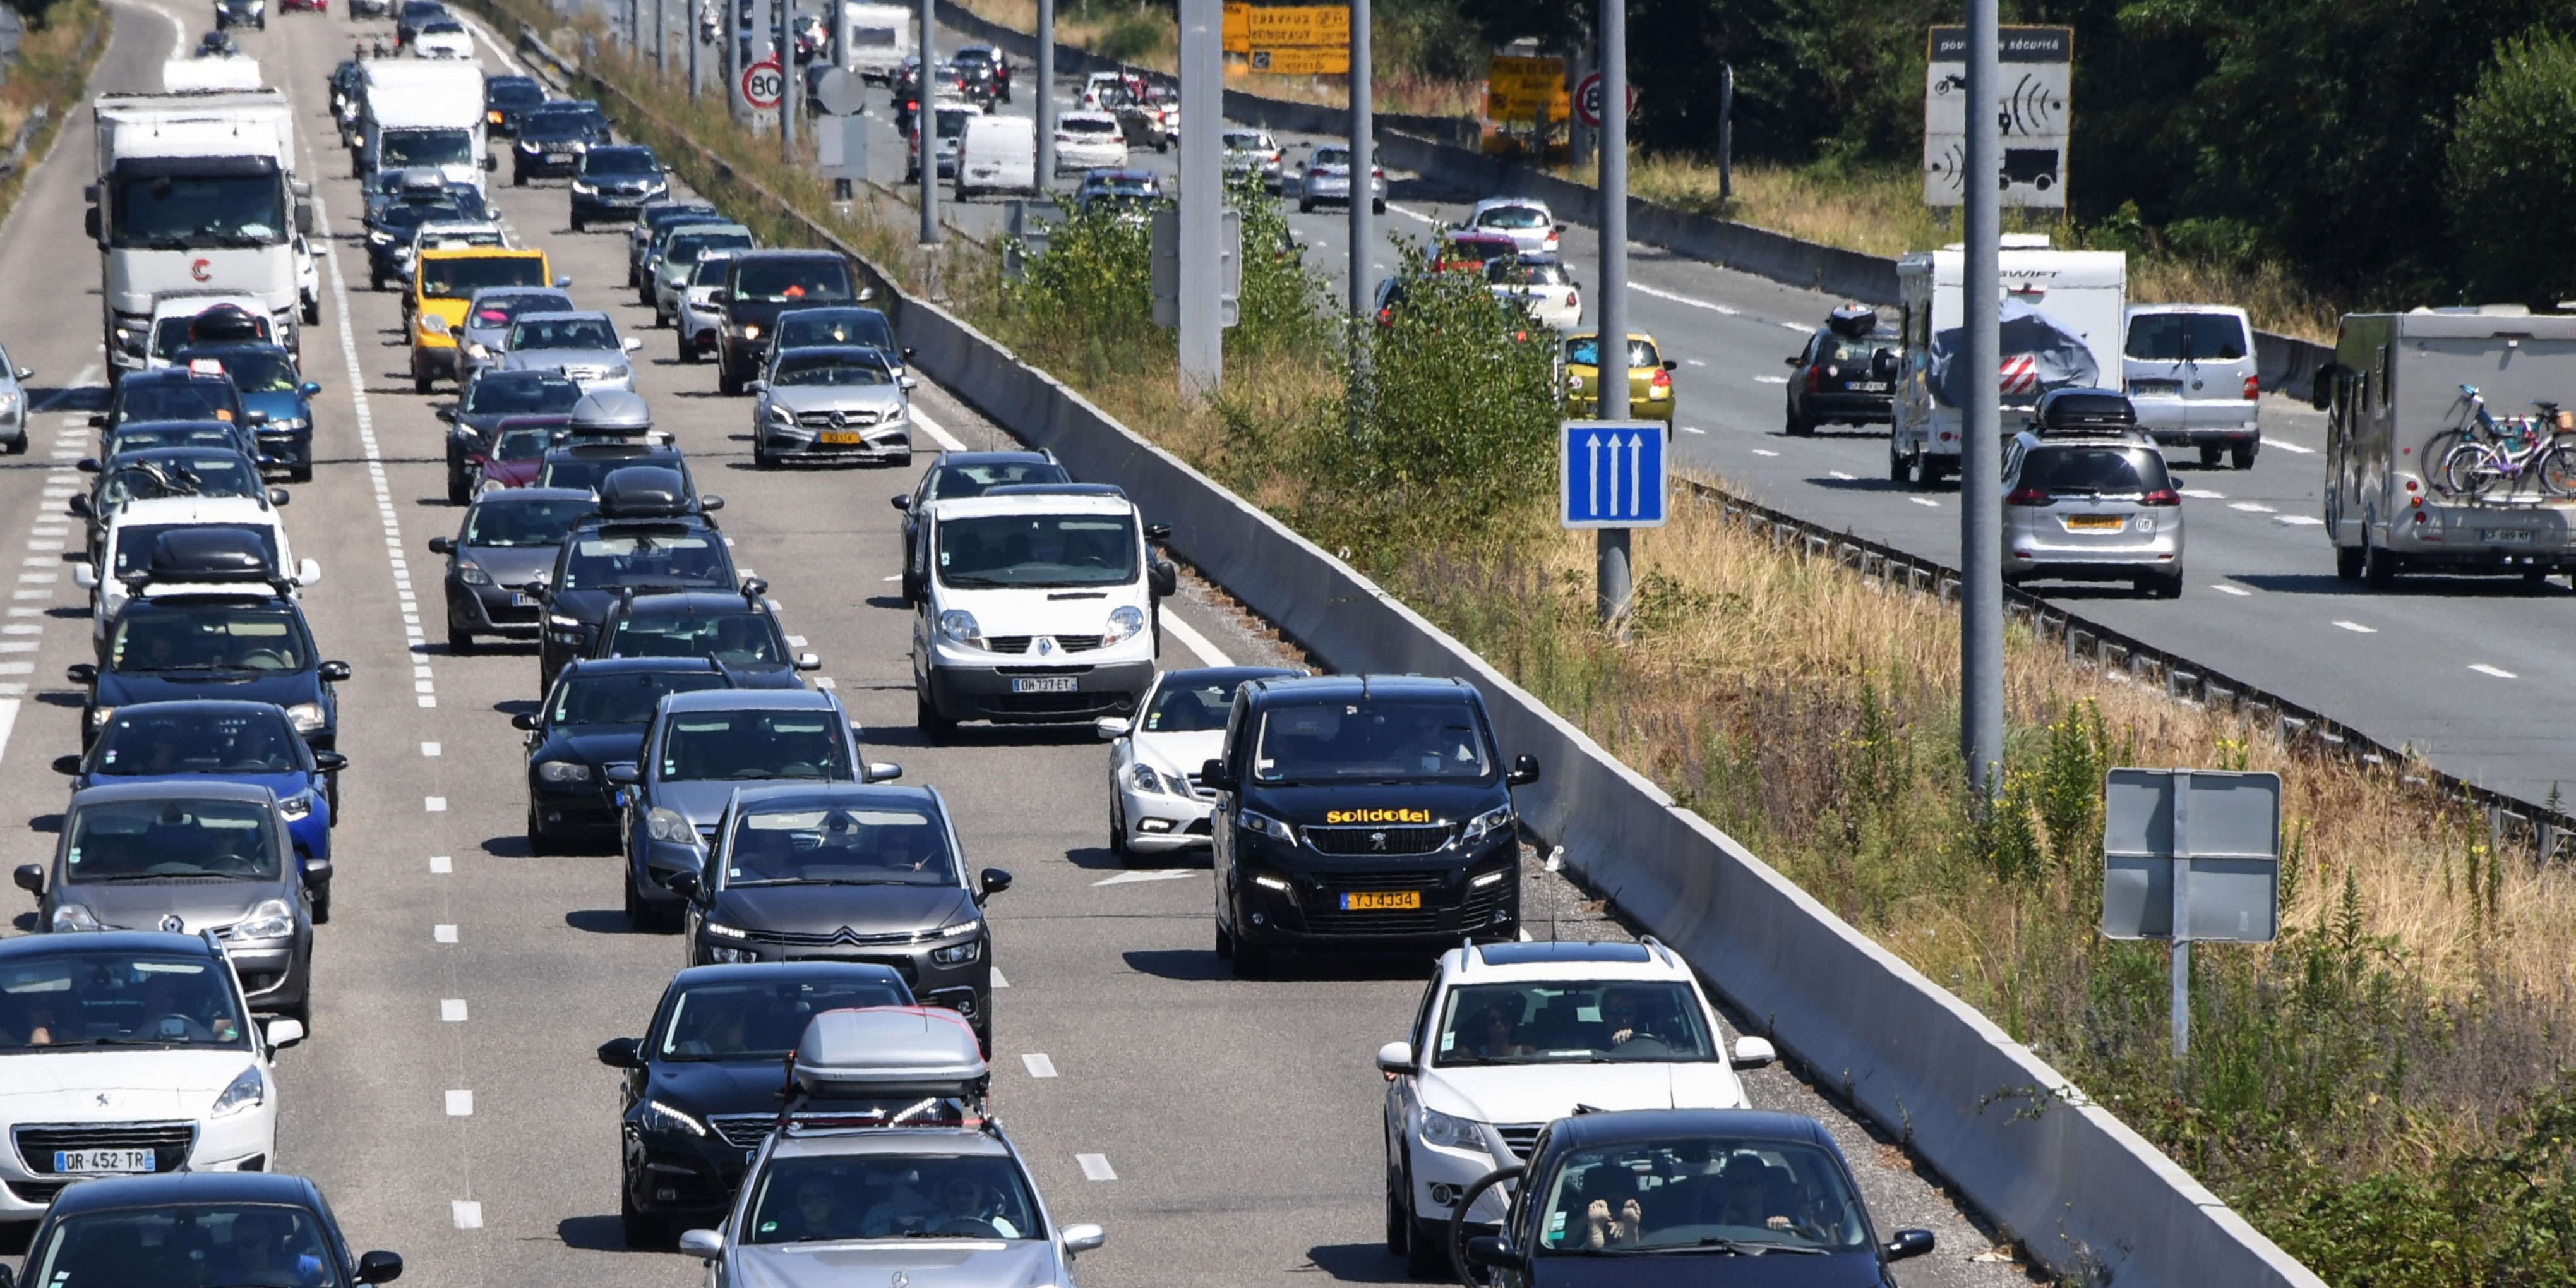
(657, 242)
(308, 282)
(1362, 811)
(241, 13)
(949, 119)
(997, 154)
(265, 377)
(552, 138)
(1148, 115)
(1088, 141)
(259, 1227)
(191, 856)
(1533, 230)
(2190, 370)
(409, 19)
(1511, 1037)
(513, 455)
(962, 474)
(595, 716)
(507, 538)
(453, 234)
(506, 99)
(211, 624)
(90, 1021)
(701, 748)
(838, 404)
(841, 325)
(614, 182)
(761, 284)
(1845, 374)
(147, 472)
(698, 319)
(1706, 1184)
(486, 399)
(1472, 252)
(738, 631)
(1252, 156)
(699, 1090)
(175, 315)
(1650, 378)
(191, 392)
(426, 197)
(987, 64)
(130, 547)
(797, 869)
(444, 282)
(1119, 189)
(582, 462)
(442, 38)
(1539, 285)
(1100, 87)
(253, 743)
(1156, 801)
(483, 334)
(1033, 604)
(648, 533)
(584, 346)
(651, 218)
(2087, 498)
(1326, 179)
(678, 254)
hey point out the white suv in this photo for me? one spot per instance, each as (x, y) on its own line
(1510, 1037)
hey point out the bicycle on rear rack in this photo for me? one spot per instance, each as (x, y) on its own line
(2489, 457)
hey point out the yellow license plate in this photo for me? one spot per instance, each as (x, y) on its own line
(2094, 523)
(1376, 900)
(841, 437)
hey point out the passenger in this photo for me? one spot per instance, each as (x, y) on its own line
(1617, 1217)
(1745, 1197)
(1496, 1032)
(816, 1216)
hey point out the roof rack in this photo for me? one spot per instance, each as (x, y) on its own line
(1056, 489)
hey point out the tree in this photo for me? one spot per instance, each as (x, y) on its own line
(2513, 172)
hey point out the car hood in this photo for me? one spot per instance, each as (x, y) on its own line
(512, 565)
(965, 1263)
(281, 405)
(136, 1083)
(718, 1087)
(1180, 752)
(198, 902)
(594, 744)
(766, 312)
(1857, 1269)
(125, 688)
(282, 785)
(542, 359)
(1017, 611)
(1545, 1093)
(885, 400)
(515, 474)
(701, 800)
(863, 910)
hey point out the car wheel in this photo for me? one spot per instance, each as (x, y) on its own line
(518, 177)
(542, 842)
(459, 641)
(322, 903)
(459, 489)
(1251, 961)
(727, 383)
(1399, 1223)
(1224, 943)
(2209, 456)
(1900, 469)
(1118, 832)
(2348, 563)
(1305, 207)
(331, 792)
(637, 916)
(2241, 456)
(313, 313)
(642, 1230)
(300, 473)
(18, 445)
(579, 226)
(420, 378)
(376, 281)
(1798, 427)
(688, 351)
(2378, 567)
(935, 729)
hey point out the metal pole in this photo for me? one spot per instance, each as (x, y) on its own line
(1726, 133)
(1610, 343)
(1044, 108)
(661, 40)
(1202, 338)
(1363, 160)
(2181, 914)
(1981, 591)
(925, 125)
(789, 78)
(689, 15)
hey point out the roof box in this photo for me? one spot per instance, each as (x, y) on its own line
(644, 492)
(204, 554)
(873, 1051)
(2083, 410)
(1857, 321)
(610, 413)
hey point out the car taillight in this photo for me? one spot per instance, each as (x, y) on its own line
(2161, 496)
(1386, 317)
(1662, 379)
(1814, 380)
(2253, 388)
(2026, 496)
(1573, 301)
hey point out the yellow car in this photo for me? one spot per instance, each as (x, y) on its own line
(442, 281)
(1650, 379)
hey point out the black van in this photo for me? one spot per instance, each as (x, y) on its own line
(1362, 811)
(760, 285)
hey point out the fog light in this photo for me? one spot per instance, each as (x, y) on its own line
(1260, 920)
(1444, 1195)
(1271, 883)
(1154, 825)
(666, 1194)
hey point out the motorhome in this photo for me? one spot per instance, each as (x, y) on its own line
(2079, 298)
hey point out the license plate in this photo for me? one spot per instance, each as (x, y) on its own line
(839, 437)
(1870, 386)
(2155, 386)
(2093, 522)
(1043, 684)
(1380, 900)
(2507, 536)
(558, 158)
(518, 600)
(103, 1160)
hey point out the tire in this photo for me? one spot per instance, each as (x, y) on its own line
(1305, 207)
(1900, 469)
(1118, 833)
(688, 352)
(1928, 472)
(2209, 456)
(642, 1231)
(1799, 427)
(2241, 455)
(578, 226)
(518, 177)
(2154, 587)
(460, 643)
(727, 383)
(420, 377)
(19, 447)
(1377, 207)
(322, 903)
(2378, 567)
(2348, 563)
(1224, 943)
(935, 728)
(541, 841)
(376, 281)
(300, 473)
(313, 313)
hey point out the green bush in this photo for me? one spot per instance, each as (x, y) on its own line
(1131, 40)
(2513, 172)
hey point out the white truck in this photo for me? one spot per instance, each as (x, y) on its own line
(879, 39)
(195, 191)
(2397, 395)
(2084, 293)
(423, 112)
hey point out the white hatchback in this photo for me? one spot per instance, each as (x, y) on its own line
(1088, 141)
(1156, 802)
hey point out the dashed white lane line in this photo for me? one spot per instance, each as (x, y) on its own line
(1924, 500)
(2356, 627)
(468, 1214)
(1164, 874)
(946, 439)
(441, 865)
(1190, 639)
(1764, 451)
(1096, 1167)
(2250, 507)
(2292, 448)
(2496, 671)
(429, 749)
(1693, 429)
(2203, 494)
(460, 1104)
(2298, 521)
(452, 1010)
(1770, 380)
(443, 934)
(434, 804)
(1416, 214)
(1799, 327)
(8, 721)
(1694, 362)
(1847, 478)
(1039, 1065)
(998, 981)
(2225, 589)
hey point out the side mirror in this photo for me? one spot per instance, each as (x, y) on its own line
(702, 1243)
(906, 383)
(755, 587)
(1166, 578)
(330, 762)
(67, 765)
(447, 413)
(907, 353)
(31, 878)
(307, 572)
(379, 1267)
(631, 344)
(622, 1053)
(1792, 360)
(278, 496)
(441, 546)
(334, 672)
(1670, 365)
(996, 880)
(1493, 1252)
(81, 673)
(1908, 1243)
(309, 388)
(881, 771)
(563, 281)
(710, 503)
(756, 386)
(88, 465)
(83, 575)
(2321, 390)
(683, 884)
(81, 509)
(284, 1032)
(1110, 729)
(1078, 1239)
(1216, 775)
(1524, 771)
(623, 774)
(524, 720)
(1753, 1053)
(1395, 1057)
(1158, 532)
(808, 662)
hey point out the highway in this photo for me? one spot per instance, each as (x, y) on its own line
(449, 1102)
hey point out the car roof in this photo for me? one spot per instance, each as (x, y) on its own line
(644, 665)
(195, 787)
(203, 706)
(218, 348)
(808, 968)
(564, 315)
(750, 700)
(697, 599)
(1505, 203)
(857, 793)
(809, 1143)
(971, 507)
(758, 254)
(996, 458)
(124, 941)
(530, 495)
(854, 351)
(1649, 1126)
(1351, 687)
(252, 510)
(178, 375)
(166, 1189)
(1584, 959)
(483, 252)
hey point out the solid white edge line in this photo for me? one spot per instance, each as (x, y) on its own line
(1190, 638)
(1643, 289)
(8, 722)
(946, 439)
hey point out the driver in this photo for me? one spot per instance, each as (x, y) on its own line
(1623, 1017)
(266, 1249)
(968, 1202)
(166, 1014)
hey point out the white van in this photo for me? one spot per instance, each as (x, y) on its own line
(1000, 153)
(1038, 602)
(2191, 374)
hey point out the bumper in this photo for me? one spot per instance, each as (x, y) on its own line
(965, 988)
(2228, 435)
(683, 1176)
(989, 693)
(245, 1141)
(609, 205)
(1157, 823)
(582, 809)
(2028, 554)
(889, 446)
(1441, 1174)
(1308, 914)
(274, 973)
(488, 610)
(1849, 409)
(1638, 409)
(535, 165)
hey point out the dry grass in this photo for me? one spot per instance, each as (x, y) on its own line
(1088, 26)
(2269, 295)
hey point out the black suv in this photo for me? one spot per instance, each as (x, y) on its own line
(1363, 811)
(648, 534)
(174, 393)
(760, 285)
(737, 630)
(587, 463)
(1844, 375)
(613, 182)
(552, 138)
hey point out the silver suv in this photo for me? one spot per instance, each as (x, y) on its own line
(2190, 372)
(2086, 498)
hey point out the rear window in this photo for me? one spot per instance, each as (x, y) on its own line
(2112, 471)
(1083, 125)
(780, 280)
(2186, 337)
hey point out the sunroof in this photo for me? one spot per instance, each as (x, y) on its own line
(1534, 953)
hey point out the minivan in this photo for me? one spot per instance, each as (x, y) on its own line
(1000, 153)
(2190, 370)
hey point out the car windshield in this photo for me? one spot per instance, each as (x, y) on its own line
(764, 1020)
(1183, 707)
(402, 219)
(751, 745)
(2186, 337)
(739, 637)
(709, 270)
(541, 394)
(1332, 156)
(623, 697)
(1711, 1194)
(1086, 125)
(1584, 351)
(170, 334)
(834, 1198)
(554, 125)
(2111, 471)
(144, 435)
(949, 482)
(586, 471)
(952, 121)
(836, 844)
(1572, 1023)
(524, 445)
(1844, 350)
(254, 371)
(458, 277)
(812, 281)
(151, 741)
(494, 310)
(134, 542)
(180, 212)
(1513, 217)
(177, 474)
(174, 400)
(510, 91)
(682, 557)
(1245, 141)
(686, 247)
(563, 333)
(1521, 272)
(1371, 740)
(515, 524)
(101, 997)
(829, 369)
(170, 839)
(801, 329)
(188, 1245)
(621, 162)
(202, 638)
(1038, 550)
(426, 147)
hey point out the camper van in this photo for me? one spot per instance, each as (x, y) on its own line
(2066, 308)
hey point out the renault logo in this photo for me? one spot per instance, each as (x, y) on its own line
(1046, 644)
(1377, 840)
(173, 924)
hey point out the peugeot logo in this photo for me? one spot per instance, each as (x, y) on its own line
(1377, 840)
(102, 1100)
(173, 924)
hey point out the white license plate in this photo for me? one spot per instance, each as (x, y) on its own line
(2506, 536)
(558, 158)
(103, 1160)
(1870, 386)
(2155, 386)
(519, 600)
(1043, 684)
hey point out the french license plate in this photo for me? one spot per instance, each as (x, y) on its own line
(2093, 522)
(103, 1160)
(1870, 386)
(839, 437)
(1042, 684)
(2155, 386)
(520, 600)
(558, 158)
(2506, 536)
(1380, 900)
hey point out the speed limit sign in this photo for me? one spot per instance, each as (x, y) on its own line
(762, 83)
(1587, 100)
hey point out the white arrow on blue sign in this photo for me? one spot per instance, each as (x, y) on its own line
(1610, 474)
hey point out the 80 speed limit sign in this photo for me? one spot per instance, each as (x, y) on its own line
(763, 83)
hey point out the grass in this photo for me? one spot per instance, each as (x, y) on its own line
(54, 58)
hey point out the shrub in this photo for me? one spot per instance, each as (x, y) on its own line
(2513, 171)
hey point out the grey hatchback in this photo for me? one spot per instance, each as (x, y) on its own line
(2086, 498)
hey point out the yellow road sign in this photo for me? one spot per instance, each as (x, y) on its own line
(1518, 89)
(1302, 62)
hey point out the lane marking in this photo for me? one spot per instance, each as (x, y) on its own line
(468, 1213)
(1847, 478)
(429, 749)
(2224, 589)
(434, 804)
(1770, 380)
(998, 981)
(2250, 507)
(1432, 220)
(1924, 500)
(2496, 671)
(2298, 521)
(1799, 327)
(2203, 494)
(946, 439)
(1643, 289)
(452, 1010)
(2291, 447)
(460, 1104)
(1764, 451)
(443, 934)
(2356, 627)
(1694, 362)
(8, 721)
(1693, 429)
(1190, 638)
(441, 865)
(1039, 1065)
(1096, 1166)
(1131, 878)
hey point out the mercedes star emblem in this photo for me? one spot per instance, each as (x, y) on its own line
(902, 1280)
(838, 420)
(173, 924)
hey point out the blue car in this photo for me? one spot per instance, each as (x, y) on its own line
(265, 375)
(231, 741)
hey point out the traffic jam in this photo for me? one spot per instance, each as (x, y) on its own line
(811, 1098)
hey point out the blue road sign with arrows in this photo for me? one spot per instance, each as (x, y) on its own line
(1610, 473)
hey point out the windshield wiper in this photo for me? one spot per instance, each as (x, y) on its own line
(171, 876)
(1740, 1247)
(194, 666)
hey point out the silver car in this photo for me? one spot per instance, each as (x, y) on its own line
(2090, 503)
(671, 266)
(484, 335)
(830, 403)
(696, 315)
(1252, 152)
(583, 346)
(1326, 176)
(13, 405)
(2190, 370)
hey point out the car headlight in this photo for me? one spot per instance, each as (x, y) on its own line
(585, 189)
(248, 1091)
(563, 623)
(297, 806)
(272, 919)
(669, 825)
(1256, 821)
(306, 715)
(733, 956)
(433, 324)
(1456, 1133)
(101, 715)
(472, 576)
(562, 771)
(723, 931)
(1124, 621)
(73, 916)
(1492, 820)
(1144, 779)
(958, 626)
(659, 1116)
(285, 423)
(751, 330)
(781, 415)
(958, 954)
(967, 927)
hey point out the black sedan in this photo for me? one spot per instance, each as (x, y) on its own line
(508, 98)
(243, 640)
(174, 393)
(701, 1086)
(507, 540)
(737, 630)
(1845, 374)
(552, 139)
(596, 716)
(963, 474)
(603, 557)
(267, 1228)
